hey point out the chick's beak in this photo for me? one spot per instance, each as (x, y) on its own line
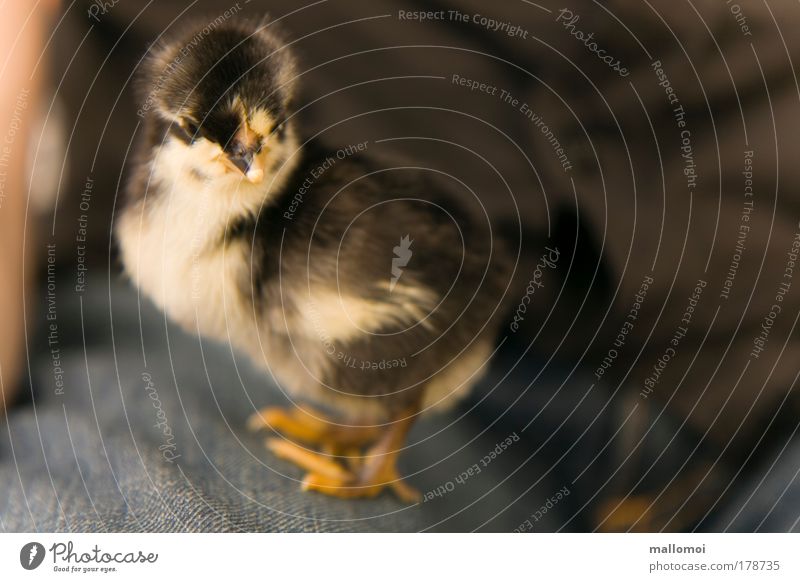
(251, 165)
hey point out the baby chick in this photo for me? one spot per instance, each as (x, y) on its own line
(363, 288)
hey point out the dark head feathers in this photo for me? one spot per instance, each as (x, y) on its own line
(203, 76)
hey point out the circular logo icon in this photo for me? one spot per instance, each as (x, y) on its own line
(31, 555)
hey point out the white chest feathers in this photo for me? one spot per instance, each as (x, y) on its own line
(167, 254)
(174, 249)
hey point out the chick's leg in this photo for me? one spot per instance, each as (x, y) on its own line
(376, 472)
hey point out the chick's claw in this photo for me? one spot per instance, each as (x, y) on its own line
(378, 472)
(405, 492)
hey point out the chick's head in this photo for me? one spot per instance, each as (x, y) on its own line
(226, 92)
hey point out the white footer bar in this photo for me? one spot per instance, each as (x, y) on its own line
(400, 557)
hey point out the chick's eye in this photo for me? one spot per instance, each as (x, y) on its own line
(185, 130)
(237, 150)
(190, 129)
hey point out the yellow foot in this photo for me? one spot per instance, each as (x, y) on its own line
(309, 426)
(362, 484)
(310, 461)
(329, 477)
(365, 475)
